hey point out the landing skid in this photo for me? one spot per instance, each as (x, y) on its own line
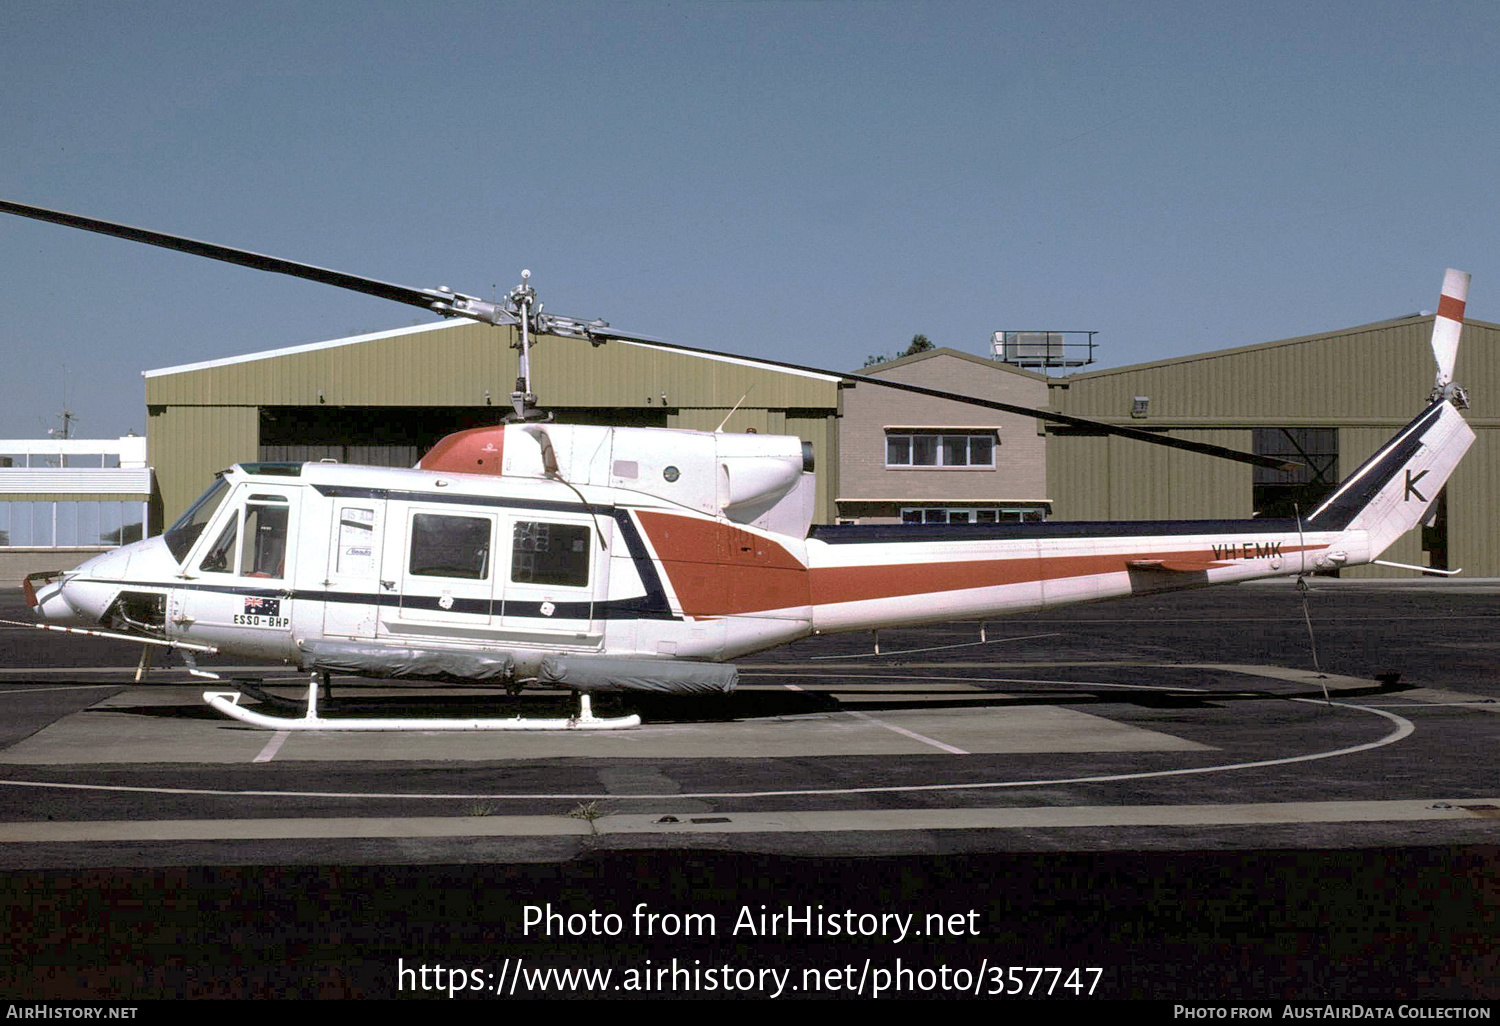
(228, 703)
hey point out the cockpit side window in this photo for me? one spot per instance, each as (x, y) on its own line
(182, 534)
(265, 540)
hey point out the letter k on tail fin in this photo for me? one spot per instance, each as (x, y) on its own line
(1393, 490)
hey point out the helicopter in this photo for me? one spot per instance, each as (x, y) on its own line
(618, 559)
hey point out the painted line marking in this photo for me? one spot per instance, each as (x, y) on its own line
(905, 733)
(70, 687)
(1403, 729)
(53, 671)
(825, 821)
(908, 678)
(1482, 704)
(934, 648)
(273, 746)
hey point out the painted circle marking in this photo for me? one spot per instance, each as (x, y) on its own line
(1403, 729)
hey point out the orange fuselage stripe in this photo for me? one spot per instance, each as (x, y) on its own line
(720, 570)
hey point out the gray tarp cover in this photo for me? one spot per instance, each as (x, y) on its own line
(407, 663)
(603, 673)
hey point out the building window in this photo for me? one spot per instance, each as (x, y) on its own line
(68, 524)
(971, 514)
(939, 449)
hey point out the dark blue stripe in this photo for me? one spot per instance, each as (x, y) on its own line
(641, 607)
(1378, 471)
(898, 533)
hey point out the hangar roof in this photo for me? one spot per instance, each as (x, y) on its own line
(1371, 373)
(1257, 347)
(876, 369)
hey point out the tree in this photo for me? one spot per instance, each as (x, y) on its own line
(919, 344)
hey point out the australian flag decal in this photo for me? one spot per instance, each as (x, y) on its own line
(263, 607)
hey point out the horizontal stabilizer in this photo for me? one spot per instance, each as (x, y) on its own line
(1176, 566)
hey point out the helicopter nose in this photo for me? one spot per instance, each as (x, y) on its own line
(50, 602)
(74, 596)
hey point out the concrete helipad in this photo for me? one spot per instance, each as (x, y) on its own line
(161, 724)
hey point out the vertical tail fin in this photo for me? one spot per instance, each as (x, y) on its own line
(1393, 491)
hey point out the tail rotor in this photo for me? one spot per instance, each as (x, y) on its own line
(1446, 328)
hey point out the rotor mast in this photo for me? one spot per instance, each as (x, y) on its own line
(520, 300)
(522, 310)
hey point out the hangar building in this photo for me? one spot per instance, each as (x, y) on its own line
(383, 399)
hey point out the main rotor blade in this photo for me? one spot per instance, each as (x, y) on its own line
(424, 298)
(451, 304)
(1094, 426)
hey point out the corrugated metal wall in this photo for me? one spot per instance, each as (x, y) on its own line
(1376, 372)
(1099, 478)
(189, 444)
(1474, 508)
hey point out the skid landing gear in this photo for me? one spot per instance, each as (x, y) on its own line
(228, 703)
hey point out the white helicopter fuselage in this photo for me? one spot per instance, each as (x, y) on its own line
(510, 546)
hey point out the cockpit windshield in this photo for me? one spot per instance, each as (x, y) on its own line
(181, 535)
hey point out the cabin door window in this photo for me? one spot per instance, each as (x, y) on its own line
(447, 574)
(355, 591)
(556, 570)
(544, 553)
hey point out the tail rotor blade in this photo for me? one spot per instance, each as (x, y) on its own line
(1448, 324)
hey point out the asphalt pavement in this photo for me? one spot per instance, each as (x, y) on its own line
(1188, 793)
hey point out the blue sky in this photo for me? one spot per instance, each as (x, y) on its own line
(805, 181)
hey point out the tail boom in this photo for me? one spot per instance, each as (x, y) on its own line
(868, 577)
(863, 585)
